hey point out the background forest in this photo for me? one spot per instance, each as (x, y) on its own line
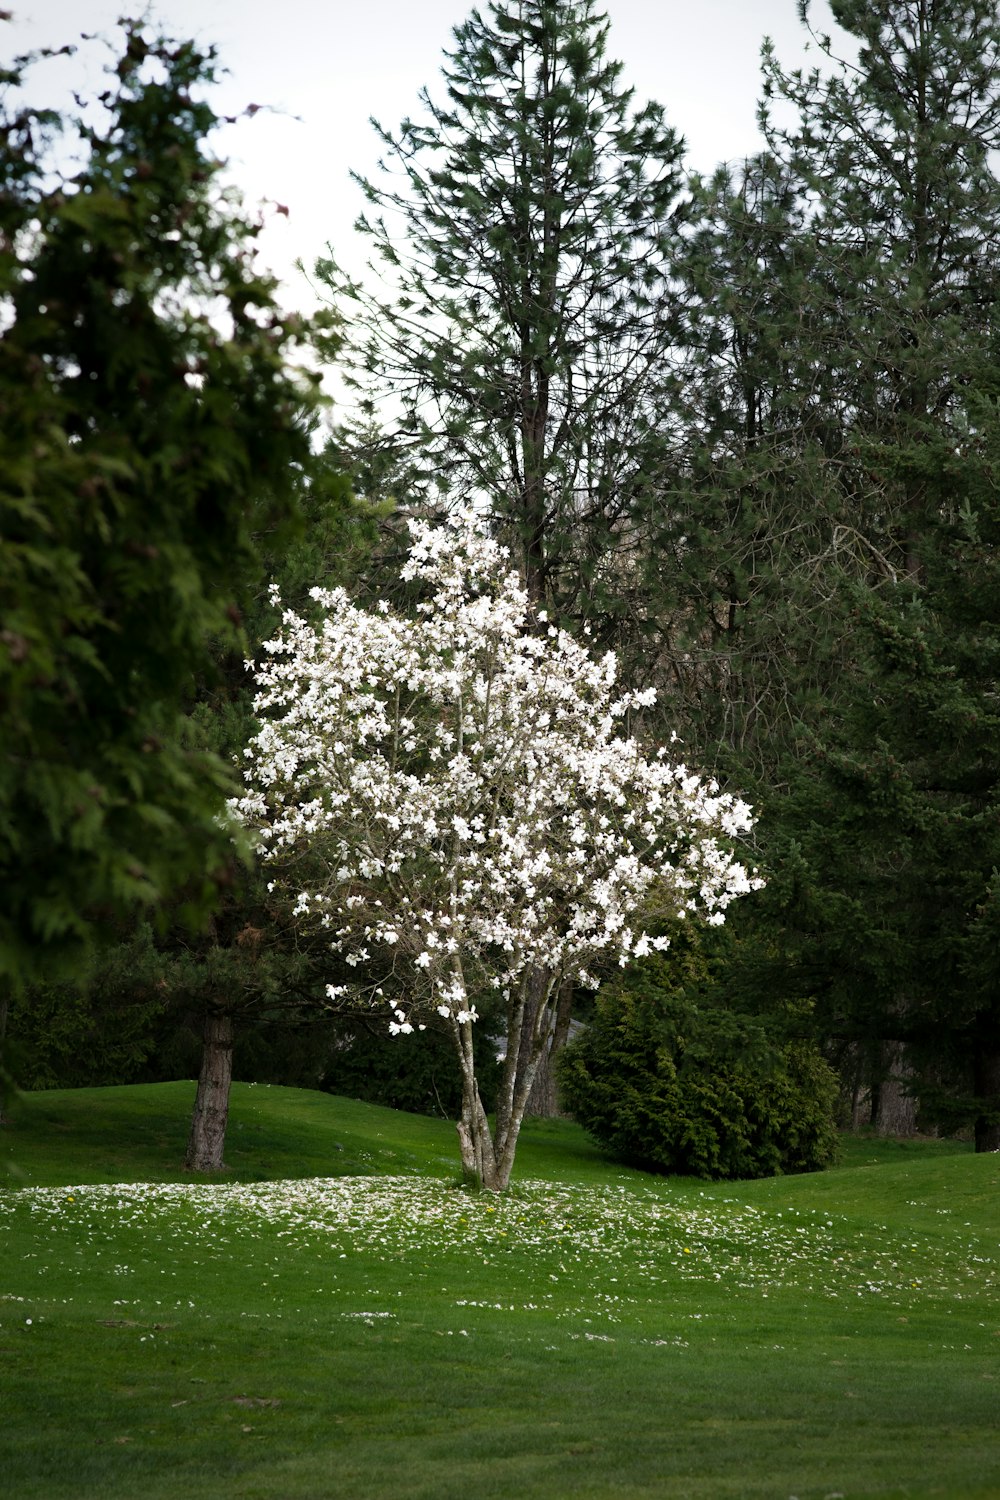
(742, 430)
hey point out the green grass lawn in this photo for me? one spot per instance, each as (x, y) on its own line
(337, 1319)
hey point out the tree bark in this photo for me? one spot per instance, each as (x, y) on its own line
(986, 1083)
(487, 1159)
(211, 1106)
(4, 1078)
(894, 1110)
(479, 1164)
(543, 1100)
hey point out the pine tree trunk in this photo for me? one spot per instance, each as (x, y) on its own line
(894, 1109)
(986, 1082)
(211, 1107)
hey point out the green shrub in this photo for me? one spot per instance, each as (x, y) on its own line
(98, 1032)
(671, 1082)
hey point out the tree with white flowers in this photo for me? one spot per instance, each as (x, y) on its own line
(451, 798)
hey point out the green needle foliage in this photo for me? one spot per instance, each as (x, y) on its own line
(900, 824)
(668, 1077)
(894, 799)
(151, 426)
(525, 229)
(740, 575)
(831, 608)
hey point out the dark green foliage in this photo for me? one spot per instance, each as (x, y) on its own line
(286, 1045)
(821, 570)
(899, 828)
(891, 809)
(150, 427)
(138, 1013)
(527, 240)
(416, 1073)
(672, 1083)
(741, 523)
(61, 1035)
(839, 333)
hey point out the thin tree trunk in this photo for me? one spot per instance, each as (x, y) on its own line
(536, 1041)
(489, 1159)
(479, 1165)
(543, 1100)
(986, 1083)
(211, 1107)
(5, 1080)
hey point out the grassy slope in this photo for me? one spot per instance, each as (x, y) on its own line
(139, 1135)
(617, 1335)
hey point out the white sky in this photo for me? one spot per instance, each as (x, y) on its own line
(328, 65)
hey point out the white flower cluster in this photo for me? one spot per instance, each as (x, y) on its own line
(462, 786)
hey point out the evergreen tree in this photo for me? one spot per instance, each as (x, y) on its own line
(152, 428)
(879, 336)
(670, 1077)
(527, 331)
(744, 528)
(895, 161)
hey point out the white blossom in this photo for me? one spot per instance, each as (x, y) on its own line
(462, 779)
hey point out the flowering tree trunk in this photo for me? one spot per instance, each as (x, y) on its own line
(487, 1159)
(211, 1107)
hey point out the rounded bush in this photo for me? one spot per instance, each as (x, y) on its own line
(673, 1085)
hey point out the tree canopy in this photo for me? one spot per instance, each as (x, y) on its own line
(154, 425)
(450, 799)
(523, 229)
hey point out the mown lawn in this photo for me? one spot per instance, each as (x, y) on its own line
(337, 1318)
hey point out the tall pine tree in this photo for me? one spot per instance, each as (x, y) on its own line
(523, 334)
(878, 293)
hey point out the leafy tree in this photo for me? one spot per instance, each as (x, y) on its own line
(527, 243)
(445, 799)
(100, 1031)
(152, 427)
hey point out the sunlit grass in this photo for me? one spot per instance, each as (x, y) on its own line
(382, 1333)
